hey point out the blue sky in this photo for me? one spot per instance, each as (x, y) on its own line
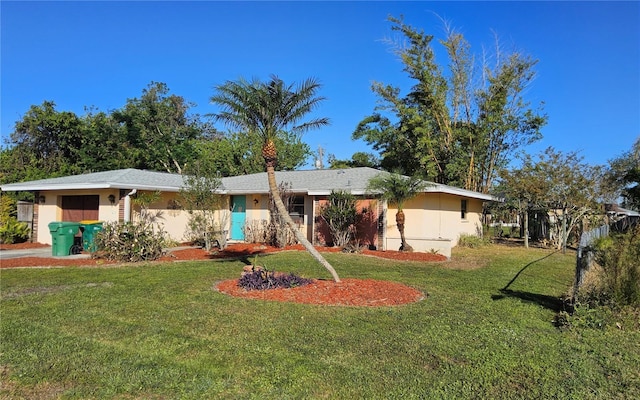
(100, 54)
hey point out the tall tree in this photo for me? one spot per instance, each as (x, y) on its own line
(397, 189)
(358, 159)
(46, 141)
(449, 128)
(560, 183)
(160, 132)
(240, 153)
(623, 177)
(103, 148)
(267, 108)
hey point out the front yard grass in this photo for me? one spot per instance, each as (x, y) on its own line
(160, 331)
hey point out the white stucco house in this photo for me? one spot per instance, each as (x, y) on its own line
(435, 219)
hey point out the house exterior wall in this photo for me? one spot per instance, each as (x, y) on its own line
(433, 222)
(258, 210)
(258, 207)
(170, 216)
(51, 209)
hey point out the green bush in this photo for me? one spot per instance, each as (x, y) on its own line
(618, 255)
(341, 215)
(614, 279)
(11, 230)
(129, 242)
(473, 241)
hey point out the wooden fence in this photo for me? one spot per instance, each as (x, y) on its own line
(585, 256)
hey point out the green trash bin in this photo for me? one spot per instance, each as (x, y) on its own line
(62, 237)
(89, 230)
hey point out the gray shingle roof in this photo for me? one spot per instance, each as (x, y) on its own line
(119, 179)
(312, 182)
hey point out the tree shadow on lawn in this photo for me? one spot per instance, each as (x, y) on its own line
(553, 303)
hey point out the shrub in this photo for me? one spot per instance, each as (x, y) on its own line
(619, 281)
(263, 279)
(274, 233)
(129, 242)
(11, 230)
(341, 215)
(473, 241)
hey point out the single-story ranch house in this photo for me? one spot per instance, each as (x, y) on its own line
(436, 218)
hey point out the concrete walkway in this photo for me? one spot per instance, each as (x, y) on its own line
(46, 252)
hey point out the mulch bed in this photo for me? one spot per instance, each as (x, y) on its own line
(349, 292)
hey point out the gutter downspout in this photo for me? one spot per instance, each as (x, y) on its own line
(127, 205)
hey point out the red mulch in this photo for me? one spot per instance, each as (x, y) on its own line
(348, 292)
(354, 292)
(21, 246)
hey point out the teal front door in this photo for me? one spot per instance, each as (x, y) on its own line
(238, 217)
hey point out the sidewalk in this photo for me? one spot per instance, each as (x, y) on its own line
(44, 252)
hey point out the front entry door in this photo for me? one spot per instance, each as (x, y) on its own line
(238, 216)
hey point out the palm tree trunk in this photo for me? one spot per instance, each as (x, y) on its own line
(404, 246)
(282, 210)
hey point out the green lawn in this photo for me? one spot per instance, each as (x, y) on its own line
(159, 331)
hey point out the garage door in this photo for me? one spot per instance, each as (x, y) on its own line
(79, 208)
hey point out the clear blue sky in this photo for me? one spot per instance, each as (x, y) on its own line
(100, 54)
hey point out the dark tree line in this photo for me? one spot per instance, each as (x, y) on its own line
(156, 131)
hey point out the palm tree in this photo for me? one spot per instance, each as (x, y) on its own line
(397, 189)
(267, 108)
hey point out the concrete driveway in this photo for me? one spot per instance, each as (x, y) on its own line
(44, 252)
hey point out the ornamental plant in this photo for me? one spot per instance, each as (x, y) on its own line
(341, 216)
(11, 230)
(129, 242)
(264, 279)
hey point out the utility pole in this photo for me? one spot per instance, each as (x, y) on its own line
(319, 158)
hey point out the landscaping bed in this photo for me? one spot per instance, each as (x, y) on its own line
(352, 292)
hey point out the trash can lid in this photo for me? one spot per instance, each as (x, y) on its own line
(54, 226)
(63, 223)
(90, 221)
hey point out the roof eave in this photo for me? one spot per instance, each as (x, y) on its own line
(88, 186)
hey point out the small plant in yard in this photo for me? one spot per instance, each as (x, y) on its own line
(260, 278)
(353, 246)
